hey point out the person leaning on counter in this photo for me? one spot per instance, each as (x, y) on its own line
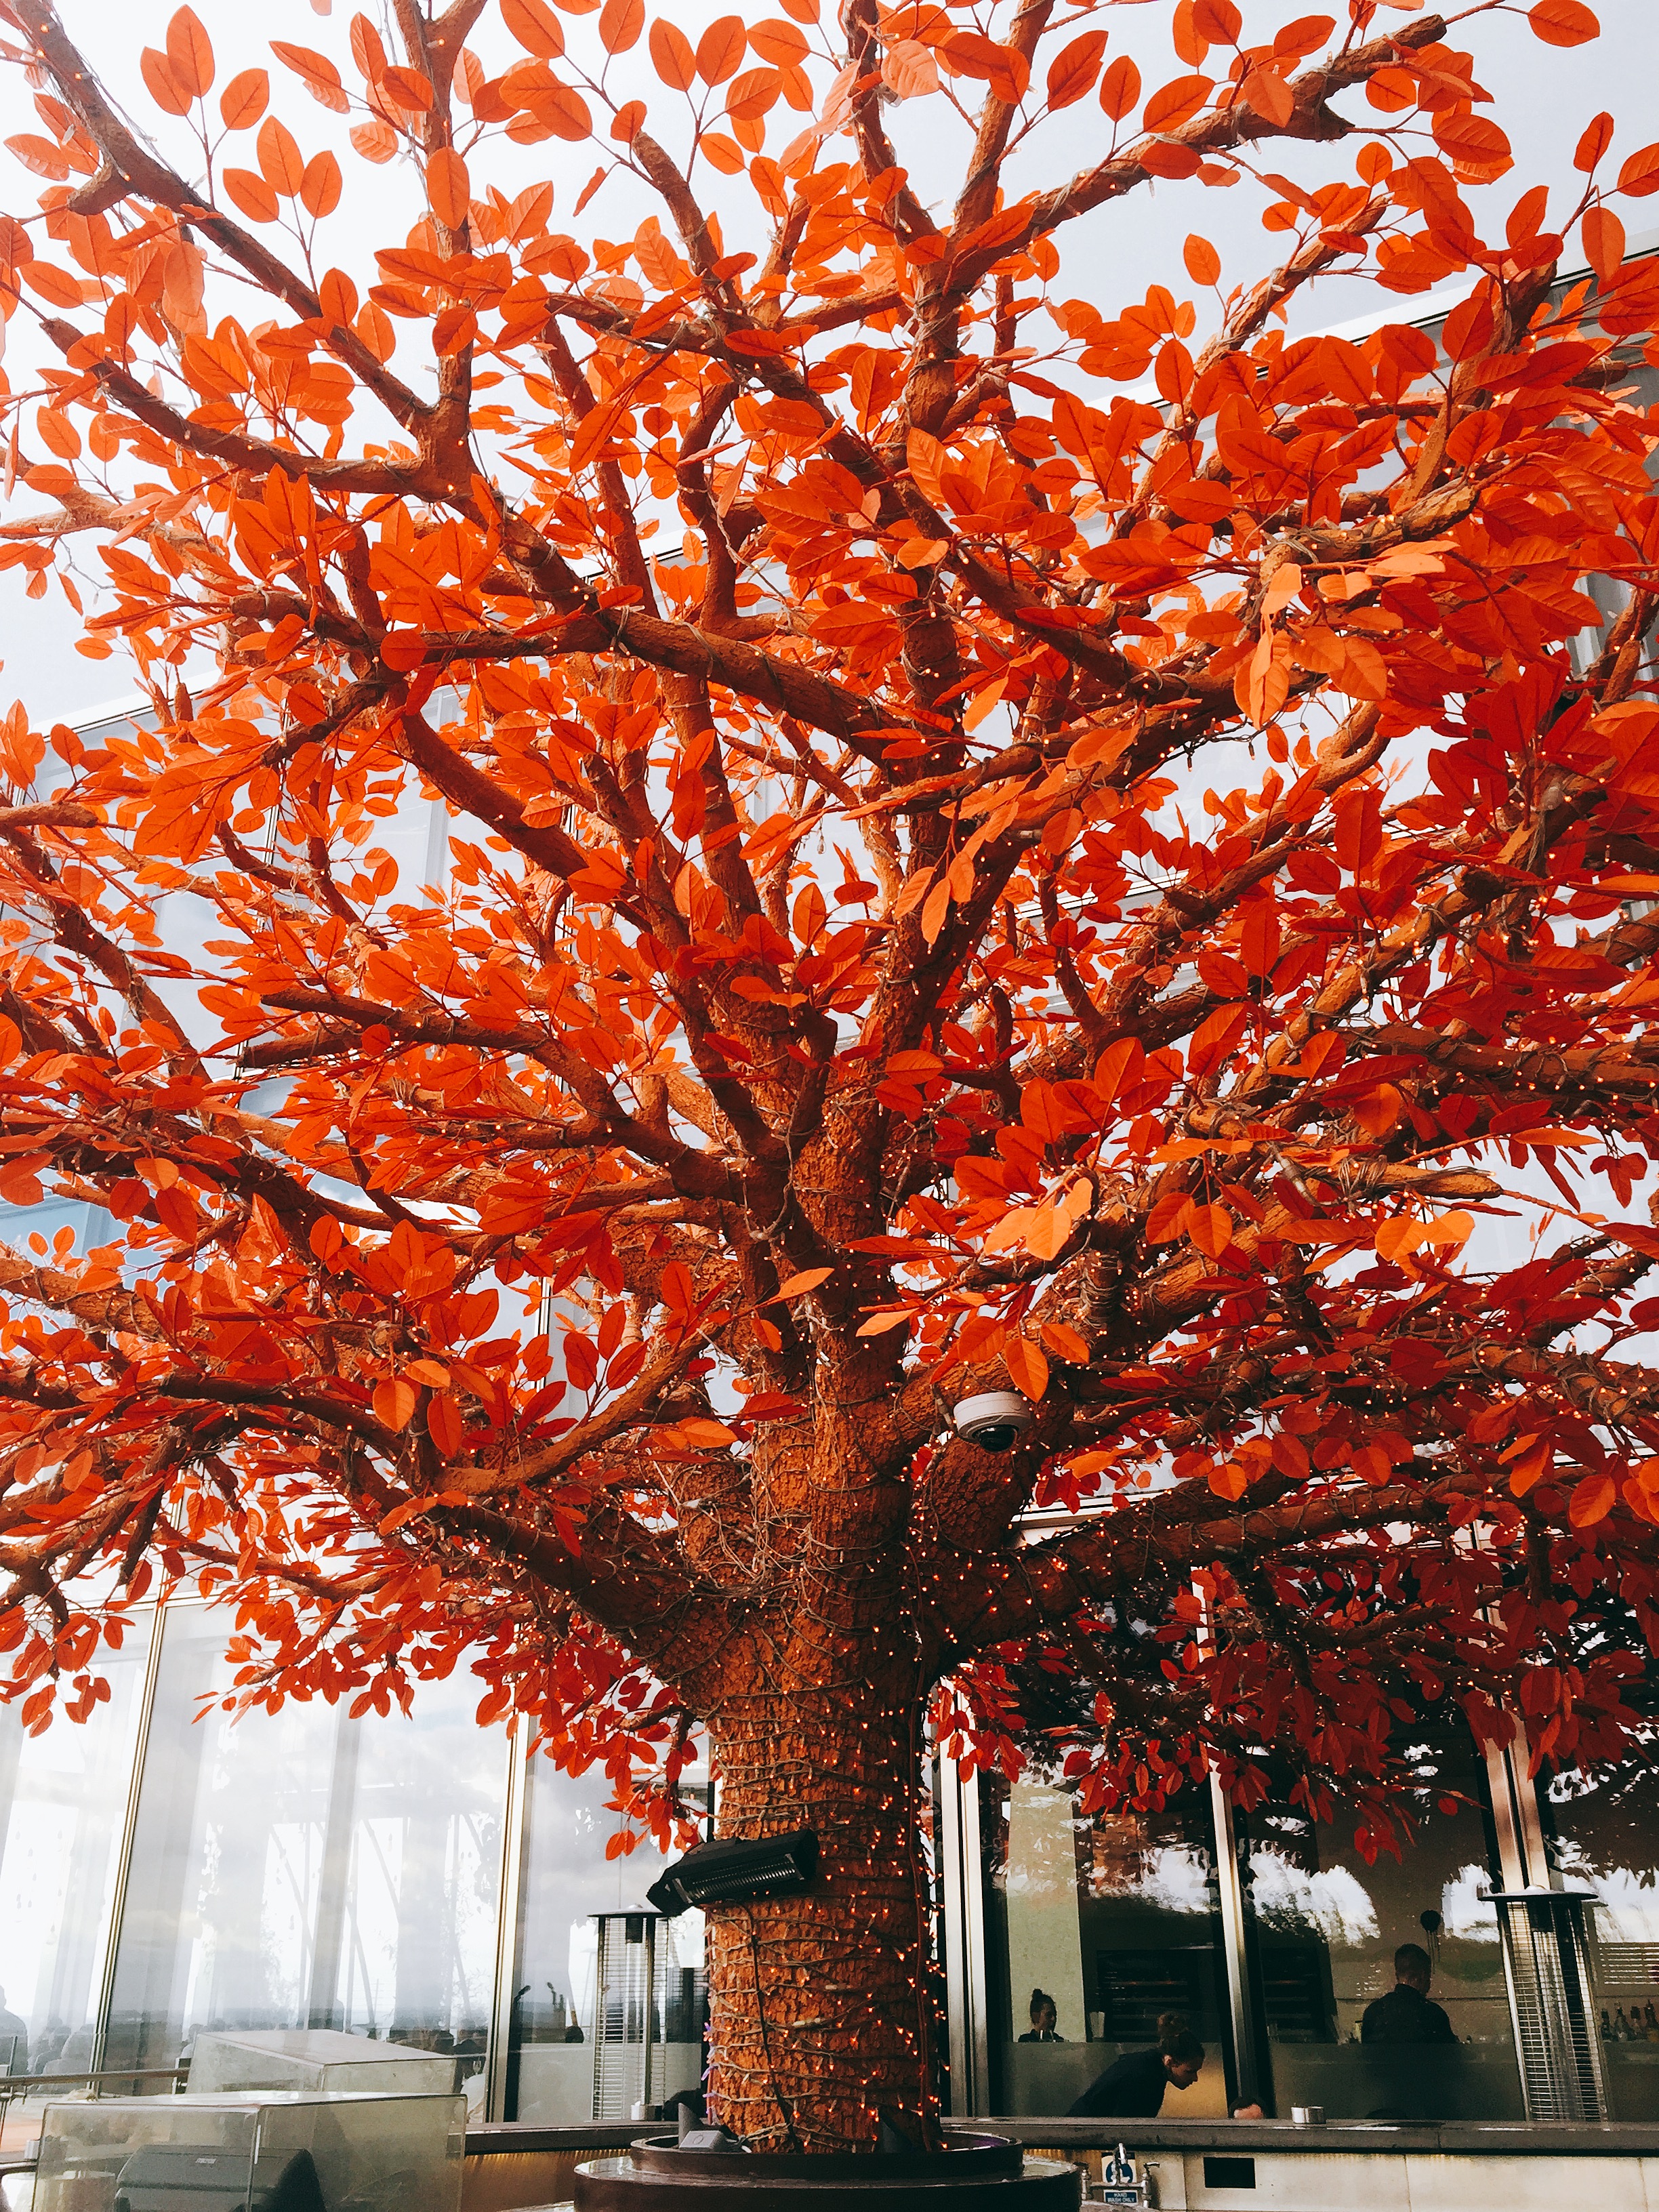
(1133, 2088)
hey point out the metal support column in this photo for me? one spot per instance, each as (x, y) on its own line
(1546, 1944)
(1247, 2060)
(965, 1941)
(1522, 1857)
(104, 1979)
(515, 1816)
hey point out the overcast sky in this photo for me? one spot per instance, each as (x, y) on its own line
(1542, 97)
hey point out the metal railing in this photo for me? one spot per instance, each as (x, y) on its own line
(18, 2088)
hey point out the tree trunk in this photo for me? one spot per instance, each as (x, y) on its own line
(821, 2001)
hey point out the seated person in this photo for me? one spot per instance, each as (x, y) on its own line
(1405, 2015)
(1044, 2014)
(14, 2040)
(1133, 2088)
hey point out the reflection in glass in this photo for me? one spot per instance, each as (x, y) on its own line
(1327, 1928)
(568, 1879)
(1605, 1837)
(62, 1797)
(303, 1869)
(1116, 1919)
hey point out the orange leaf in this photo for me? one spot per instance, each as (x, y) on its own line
(1563, 23)
(564, 112)
(708, 1435)
(281, 163)
(244, 100)
(1270, 94)
(408, 89)
(671, 55)
(878, 1324)
(1592, 1501)
(1028, 1367)
(1527, 1471)
(443, 1425)
(798, 1285)
(1401, 1235)
(394, 1403)
(1211, 1228)
(535, 26)
(317, 74)
(320, 187)
(374, 140)
(449, 187)
(1175, 103)
(908, 68)
(778, 42)
(1203, 262)
(1061, 1338)
(1073, 69)
(722, 48)
(1216, 21)
(57, 433)
(165, 89)
(1120, 87)
(621, 22)
(1640, 174)
(1596, 139)
(1372, 1465)
(252, 194)
(190, 52)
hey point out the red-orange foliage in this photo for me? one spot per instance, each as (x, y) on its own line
(846, 996)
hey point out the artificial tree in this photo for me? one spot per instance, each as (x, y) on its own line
(1001, 840)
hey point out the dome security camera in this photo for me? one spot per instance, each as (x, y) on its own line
(993, 1420)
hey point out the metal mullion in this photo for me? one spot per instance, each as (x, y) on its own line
(514, 1821)
(118, 1902)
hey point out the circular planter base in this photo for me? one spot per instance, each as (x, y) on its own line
(979, 2174)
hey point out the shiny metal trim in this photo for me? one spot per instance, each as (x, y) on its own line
(963, 1940)
(1246, 2065)
(1522, 1861)
(973, 1891)
(118, 1901)
(515, 1815)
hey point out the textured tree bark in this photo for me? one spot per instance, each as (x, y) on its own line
(820, 2002)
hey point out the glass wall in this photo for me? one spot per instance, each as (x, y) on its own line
(1326, 1927)
(303, 1869)
(1603, 1834)
(62, 1797)
(567, 1880)
(1120, 1919)
(1117, 1919)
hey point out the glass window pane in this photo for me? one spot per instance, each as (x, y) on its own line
(62, 1796)
(1326, 1929)
(303, 1869)
(568, 1879)
(1116, 1920)
(1604, 1833)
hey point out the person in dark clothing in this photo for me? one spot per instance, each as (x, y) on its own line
(14, 2041)
(1044, 2014)
(1133, 2088)
(1405, 2015)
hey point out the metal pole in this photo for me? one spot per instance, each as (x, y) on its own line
(649, 1934)
(515, 1815)
(129, 1825)
(1245, 2057)
(973, 1899)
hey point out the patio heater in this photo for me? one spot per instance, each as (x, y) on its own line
(631, 2052)
(1546, 1962)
